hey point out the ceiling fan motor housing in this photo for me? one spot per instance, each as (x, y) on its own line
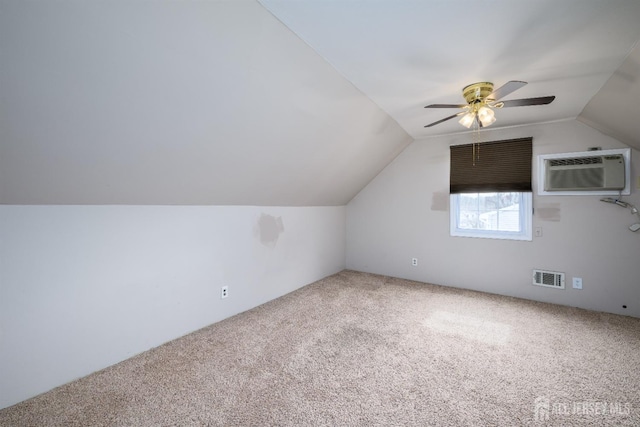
(476, 92)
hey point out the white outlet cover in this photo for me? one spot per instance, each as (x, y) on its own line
(577, 283)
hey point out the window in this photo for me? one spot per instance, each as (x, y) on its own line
(503, 215)
(490, 186)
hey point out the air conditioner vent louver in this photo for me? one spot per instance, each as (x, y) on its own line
(550, 279)
(588, 173)
(576, 161)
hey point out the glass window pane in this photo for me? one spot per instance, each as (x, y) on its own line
(492, 213)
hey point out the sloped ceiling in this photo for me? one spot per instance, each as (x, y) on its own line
(407, 54)
(280, 102)
(614, 109)
(190, 102)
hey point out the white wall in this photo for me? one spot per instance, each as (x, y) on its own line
(84, 287)
(403, 213)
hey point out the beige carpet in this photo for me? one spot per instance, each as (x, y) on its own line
(363, 350)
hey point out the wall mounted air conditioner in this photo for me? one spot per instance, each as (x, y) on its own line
(585, 173)
(591, 172)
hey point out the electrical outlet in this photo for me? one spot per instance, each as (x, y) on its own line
(414, 262)
(577, 283)
(224, 292)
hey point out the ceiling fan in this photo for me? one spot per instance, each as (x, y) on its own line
(482, 100)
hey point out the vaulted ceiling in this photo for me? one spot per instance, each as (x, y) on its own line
(280, 102)
(407, 54)
(194, 102)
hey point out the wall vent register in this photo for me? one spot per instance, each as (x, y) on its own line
(549, 279)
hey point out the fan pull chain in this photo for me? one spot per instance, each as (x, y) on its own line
(476, 142)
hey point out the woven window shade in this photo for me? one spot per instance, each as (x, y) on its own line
(497, 166)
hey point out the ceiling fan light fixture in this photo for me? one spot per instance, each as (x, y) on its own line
(482, 99)
(486, 116)
(467, 119)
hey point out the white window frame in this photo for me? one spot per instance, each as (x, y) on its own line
(526, 220)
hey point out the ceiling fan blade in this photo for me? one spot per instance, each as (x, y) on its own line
(544, 100)
(446, 106)
(445, 119)
(506, 89)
